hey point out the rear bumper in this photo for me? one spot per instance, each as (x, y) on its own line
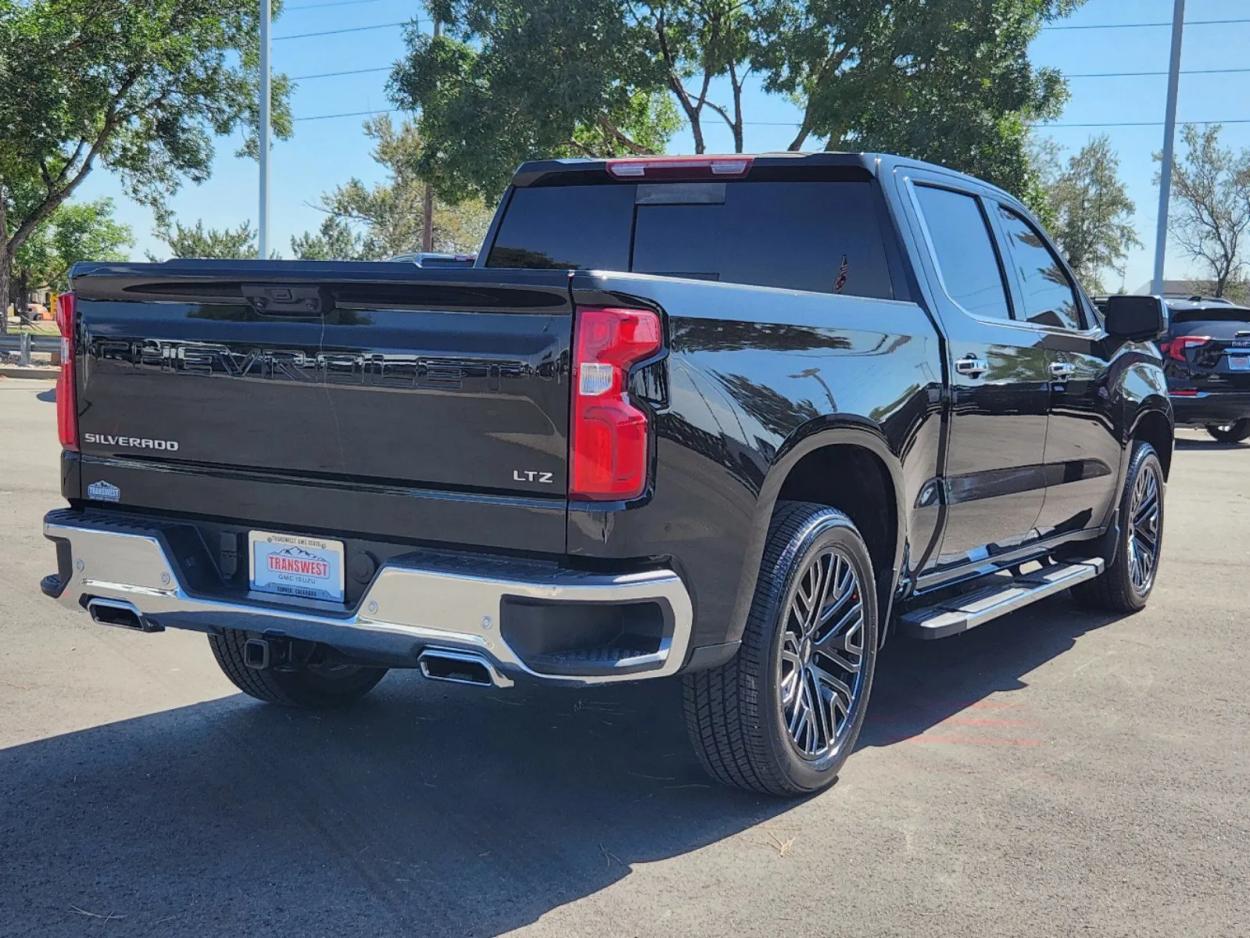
(414, 603)
(1210, 407)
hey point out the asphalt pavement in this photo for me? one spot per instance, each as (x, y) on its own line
(1052, 773)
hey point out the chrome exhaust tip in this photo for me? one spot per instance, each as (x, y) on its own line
(460, 667)
(121, 615)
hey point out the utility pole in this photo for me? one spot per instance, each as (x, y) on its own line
(262, 233)
(1169, 134)
(427, 232)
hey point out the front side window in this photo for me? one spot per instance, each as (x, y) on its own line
(1049, 296)
(964, 252)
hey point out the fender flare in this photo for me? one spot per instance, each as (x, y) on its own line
(1154, 404)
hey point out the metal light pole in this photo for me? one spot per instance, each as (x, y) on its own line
(1169, 132)
(262, 234)
(427, 227)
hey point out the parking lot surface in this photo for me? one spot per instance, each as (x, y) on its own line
(1051, 773)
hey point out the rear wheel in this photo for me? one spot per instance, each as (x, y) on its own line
(1234, 432)
(315, 682)
(783, 715)
(1130, 576)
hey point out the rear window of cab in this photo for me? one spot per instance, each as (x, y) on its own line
(822, 236)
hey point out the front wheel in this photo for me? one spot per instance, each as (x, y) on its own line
(1234, 432)
(783, 715)
(1126, 584)
(314, 683)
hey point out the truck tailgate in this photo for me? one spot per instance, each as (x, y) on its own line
(381, 374)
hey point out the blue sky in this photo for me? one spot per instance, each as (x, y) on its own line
(325, 152)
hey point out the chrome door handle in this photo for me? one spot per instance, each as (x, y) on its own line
(1062, 369)
(971, 366)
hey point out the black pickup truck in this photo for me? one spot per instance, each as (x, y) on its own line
(734, 418)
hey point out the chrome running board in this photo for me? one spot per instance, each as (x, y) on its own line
(968, 610)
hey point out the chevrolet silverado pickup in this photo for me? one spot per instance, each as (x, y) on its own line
(729, 418)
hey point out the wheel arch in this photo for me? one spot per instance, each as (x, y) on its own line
(849, 467)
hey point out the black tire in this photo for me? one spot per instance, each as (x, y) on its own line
(1116, 590)
(1234, 432)
(314, 685)
(735, 713)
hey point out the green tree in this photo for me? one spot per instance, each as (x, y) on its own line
(695, 43)
(211, 243)
(514, 79)
(370, 222)
(138, 86)
(1210, 213)
(1091, 213)
(942, 80)
(76, 231)
(334, 240)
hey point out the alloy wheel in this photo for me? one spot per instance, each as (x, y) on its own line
(1145, 516)
(822, 655)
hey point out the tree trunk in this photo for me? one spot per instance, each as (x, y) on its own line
(696, 130)
(23, 293)
(801, 136)
(6, 261)
(678, 88)
(6, 264)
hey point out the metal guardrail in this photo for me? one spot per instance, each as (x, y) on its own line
(24, 343)
(39, 343)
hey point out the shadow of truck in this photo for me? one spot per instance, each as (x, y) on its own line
(428, 809)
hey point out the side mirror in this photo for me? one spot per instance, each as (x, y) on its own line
(1138, 318)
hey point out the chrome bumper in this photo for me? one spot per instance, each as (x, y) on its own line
(448, 606)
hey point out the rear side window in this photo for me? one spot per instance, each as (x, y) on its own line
(1210, 316)
(816, 236)
(1049, 297)
(964, 252)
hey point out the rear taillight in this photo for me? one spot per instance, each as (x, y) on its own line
(1175, 348)
(608, 437)
(66, 403)
(680, 167)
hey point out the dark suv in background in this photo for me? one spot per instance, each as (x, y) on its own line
(1206, 357)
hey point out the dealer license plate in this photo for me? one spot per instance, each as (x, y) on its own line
(1239, 362)
(293, 565)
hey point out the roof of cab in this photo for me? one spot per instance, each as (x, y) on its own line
(1201, 302)
(590, 170)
